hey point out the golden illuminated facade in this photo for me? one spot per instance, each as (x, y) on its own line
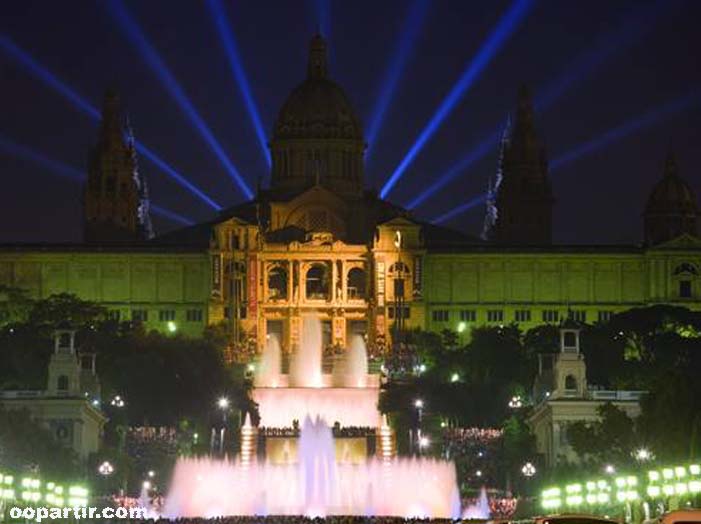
(316, 241)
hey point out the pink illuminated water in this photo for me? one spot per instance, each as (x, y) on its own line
(480, 509)
(305, 367)
(315, 486)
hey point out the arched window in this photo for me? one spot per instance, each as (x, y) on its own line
(685, 274)
(64, 340)
(356, 283)
(317, 282)
(277, 283)
(570, 383)
(399, 267)
(62, 383)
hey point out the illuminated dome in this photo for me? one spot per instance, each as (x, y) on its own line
(317, 108)
(318, 139)
(671, 209)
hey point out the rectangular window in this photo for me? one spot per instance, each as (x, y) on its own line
(522, 315)
(139, 315)
(405, 311)
(440, 315)
(495, 315)
(605, 316)
(468, 315)
(166, 315)
(242, 312)
(113, 314)
(193, 315)
(685, 289)
(399, 287)
(551, 315)
(577, 315)
(234, 242)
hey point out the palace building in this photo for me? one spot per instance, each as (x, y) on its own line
(317, 241)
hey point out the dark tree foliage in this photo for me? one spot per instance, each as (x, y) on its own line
(611, 439)
(26, 446)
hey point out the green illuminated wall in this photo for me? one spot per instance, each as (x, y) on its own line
(589, 281)
(121, 281)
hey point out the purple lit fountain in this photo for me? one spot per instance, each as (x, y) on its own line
(314, 481)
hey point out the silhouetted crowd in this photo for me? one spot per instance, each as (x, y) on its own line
(338, 431)
(290, 519)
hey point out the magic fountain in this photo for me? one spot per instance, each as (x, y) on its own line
(313, 476)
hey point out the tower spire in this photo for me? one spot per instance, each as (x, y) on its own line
(318, 62)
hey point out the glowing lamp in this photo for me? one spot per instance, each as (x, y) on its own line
(653, 491)
(172, 327)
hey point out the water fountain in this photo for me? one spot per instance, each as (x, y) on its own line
(480, 509)
(313, 478)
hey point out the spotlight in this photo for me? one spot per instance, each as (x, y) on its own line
(627, 128)
(405, 46)
(43, 74)
(171, 215)
(135, 35)
(506, 26)
(479, 151)
(216, 9)
(609, 44)
(66, 171)
(624, 130)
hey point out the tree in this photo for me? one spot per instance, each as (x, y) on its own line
(610, 439)
(26, 445)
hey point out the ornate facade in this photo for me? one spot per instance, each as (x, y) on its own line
(315, 241)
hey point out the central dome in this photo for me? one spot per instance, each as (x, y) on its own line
(317, 108)
(317, 138)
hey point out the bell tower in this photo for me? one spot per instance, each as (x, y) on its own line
(524, 200)
(115, 198)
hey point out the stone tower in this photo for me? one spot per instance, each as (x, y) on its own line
(524, 198)
(115, 198)
(671, 209)
(317, 138)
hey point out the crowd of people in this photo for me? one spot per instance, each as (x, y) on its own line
(338, 431)
(297, 519)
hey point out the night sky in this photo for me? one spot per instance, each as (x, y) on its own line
(600, 196)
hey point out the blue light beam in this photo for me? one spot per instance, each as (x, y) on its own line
(136, 36)
(48, 78)
(611, 136)
(15, 149)
(608, 45)
(218, 13)
(506, 26)
(403, 51)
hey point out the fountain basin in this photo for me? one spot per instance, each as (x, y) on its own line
(278, 407)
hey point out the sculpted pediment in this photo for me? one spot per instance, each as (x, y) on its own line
(684, 241)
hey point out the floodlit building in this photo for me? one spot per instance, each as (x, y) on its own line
(317, 240)
(562, 396)
(69, 407)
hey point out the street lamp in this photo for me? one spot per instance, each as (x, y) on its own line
(418, 403)
(528, 470)
(117, 402)
(223, 403)
(151, 473)
(610, 469)
(454, 377)
(643, 455)
(424, 442)
(516, 402)
(105, 469)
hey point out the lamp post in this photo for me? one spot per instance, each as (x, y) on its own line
(223, 404)
(419, 405)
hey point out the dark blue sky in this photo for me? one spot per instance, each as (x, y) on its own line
(600, 196)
